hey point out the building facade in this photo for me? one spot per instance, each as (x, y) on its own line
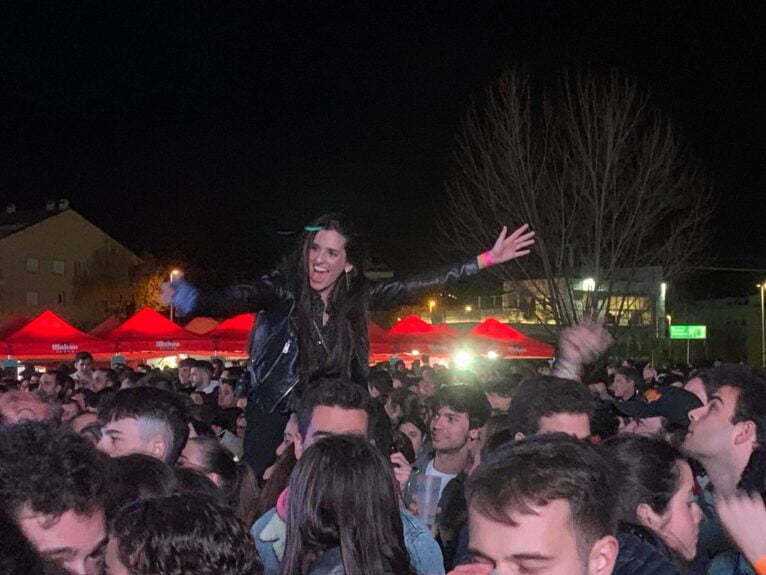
(42, 252)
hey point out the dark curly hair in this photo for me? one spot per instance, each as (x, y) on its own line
(465, 399)
(180, 534)
(137, 476)
(49, 471)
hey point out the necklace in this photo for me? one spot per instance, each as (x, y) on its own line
(319, 333)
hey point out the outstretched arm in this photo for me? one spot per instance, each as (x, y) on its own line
(233, 300)
(392, 292)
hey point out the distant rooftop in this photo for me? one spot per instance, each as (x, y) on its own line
(13, 220)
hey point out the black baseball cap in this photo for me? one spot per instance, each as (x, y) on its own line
(672, 403)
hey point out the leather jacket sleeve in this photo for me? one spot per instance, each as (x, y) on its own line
(388, 293)
(240, 298)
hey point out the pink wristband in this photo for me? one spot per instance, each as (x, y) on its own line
(487, 259)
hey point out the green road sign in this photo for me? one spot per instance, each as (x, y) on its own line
(688, 332)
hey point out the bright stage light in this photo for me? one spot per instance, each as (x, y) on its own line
(463, 359)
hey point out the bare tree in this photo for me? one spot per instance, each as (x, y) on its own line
(597, 173)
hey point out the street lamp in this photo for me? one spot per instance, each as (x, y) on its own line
(173, 275)
(670, 341)
(761, 286)
(468, 309)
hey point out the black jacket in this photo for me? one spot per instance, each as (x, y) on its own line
(641, 553)
(273, 363)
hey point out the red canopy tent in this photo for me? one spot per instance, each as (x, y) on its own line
(110, 323)
(413, 333)
(201, 325)
(151, 333)
(232, 334)
(508, 342)
(380, 343)
(11, 324)
(48, 335)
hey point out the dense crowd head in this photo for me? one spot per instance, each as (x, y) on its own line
(143, 472)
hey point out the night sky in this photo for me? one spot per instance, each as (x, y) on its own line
(197, 131)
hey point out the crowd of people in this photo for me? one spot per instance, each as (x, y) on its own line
(624, 469)
(306, 460)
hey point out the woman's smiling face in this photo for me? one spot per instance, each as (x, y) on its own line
(327, 260)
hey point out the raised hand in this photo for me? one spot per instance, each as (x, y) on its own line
(584, 342)
(743, 516)
(402, 469)
(508, 247)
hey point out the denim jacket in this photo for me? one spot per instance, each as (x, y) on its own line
(270, 532)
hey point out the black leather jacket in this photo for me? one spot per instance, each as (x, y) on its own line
(273, 363)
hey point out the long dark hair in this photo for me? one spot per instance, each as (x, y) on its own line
(343, 494)
(349, 299)
(238, 485)
(646, 471)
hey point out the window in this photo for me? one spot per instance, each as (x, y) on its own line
(59, 267)
(62, 298)
(33, 265)
(32, 298)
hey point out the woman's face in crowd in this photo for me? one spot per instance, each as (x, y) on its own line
(678, 527)
(414, 434)
(291, 428)
(327, 260)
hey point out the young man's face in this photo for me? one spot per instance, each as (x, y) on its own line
(83, 365)
(226, 397)
(123, 436)
(199, 377)
(542, 543)
(623, 387)
(184, 374)
(74, 541)
(711, 431)
(449, 430)
(331, 420)
(574, 424)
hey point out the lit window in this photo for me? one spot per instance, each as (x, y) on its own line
(59, 267)
(33, 265)
(32, 298)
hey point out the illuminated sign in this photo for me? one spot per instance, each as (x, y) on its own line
(688, 332)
